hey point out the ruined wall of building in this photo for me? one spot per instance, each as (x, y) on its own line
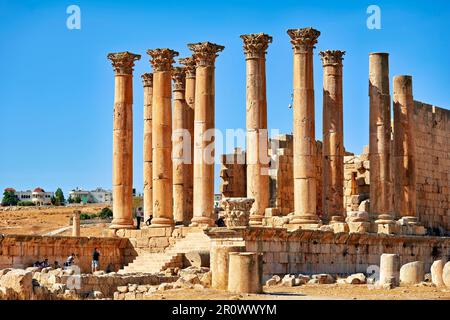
(233, 174)
(356, 181)
(432, 133)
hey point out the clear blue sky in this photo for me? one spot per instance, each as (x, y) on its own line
(57, 86)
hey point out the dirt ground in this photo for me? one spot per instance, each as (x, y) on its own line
(314, 292)
(41, 220)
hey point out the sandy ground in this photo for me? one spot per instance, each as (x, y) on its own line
(314, 292)
(41, 220)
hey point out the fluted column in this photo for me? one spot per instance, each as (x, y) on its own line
(123, 63)
(205, 54)
(404, 148)
(147, 81)
(303, 41)
(333, 136)
(180, 142)
(381, 201)
(255, 47)
(189, 95)
(162, 60)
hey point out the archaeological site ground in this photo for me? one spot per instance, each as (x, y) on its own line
(295, 215)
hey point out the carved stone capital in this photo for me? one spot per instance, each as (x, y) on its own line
(123, 62)
(332, 57)
(179, 78)
(189, 64)
(256, 44)
(147, 79)
(236, 211)
(162, 59)
(205, 53)
(304, 39)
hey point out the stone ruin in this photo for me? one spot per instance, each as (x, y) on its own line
(308, 211)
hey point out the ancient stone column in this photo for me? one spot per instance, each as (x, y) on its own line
(245, 272)
(255, 47)
(381, 202)
(123, 63)
(205, 54)
(162, 60)
(389, 269)
(189, 95)
(404, 149)
(219, 265)
(76, 223)
(303, 41)
(147, 81)
(179, 141)
(333, 136)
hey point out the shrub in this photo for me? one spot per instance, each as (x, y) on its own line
(25, 204)
(106, 213)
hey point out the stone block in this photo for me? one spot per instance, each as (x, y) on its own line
(387, 228)
(359, 227)
(412, 273)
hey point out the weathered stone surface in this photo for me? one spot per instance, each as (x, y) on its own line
(324, 278)
(437, 269)
(357, 278)
(389, 269)
(412, 273)
(236, 211)
(446, 274)
(288, 280)
(19, 281)
(245, 272)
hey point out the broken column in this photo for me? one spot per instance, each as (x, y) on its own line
(303, 41)
(123, 63)
(147, 81)
(245, 272)
(255, 47)
(162, 60)
(404, 156)
(205, 54)
(381, 201)
(189, 95)
(76, 223)
(181, 144)
(389, 269)
(333, 138)
(219, 265)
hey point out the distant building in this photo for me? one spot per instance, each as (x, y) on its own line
(38, 196)
(98, 195)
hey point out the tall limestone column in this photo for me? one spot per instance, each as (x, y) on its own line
(303, 41)
(333, 136)
(404, 149)
(123, 63)
(189, 95)
(162, 60)
(205, 54)
(179, 141)
(381, 201)
(255, 47)
(147, 81)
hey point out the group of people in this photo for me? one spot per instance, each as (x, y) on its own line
(46, 264)
(70, 261)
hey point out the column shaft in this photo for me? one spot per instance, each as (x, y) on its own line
(305, 199)
(123, 63)
(404, 148)
(333, 136)
(147, 80)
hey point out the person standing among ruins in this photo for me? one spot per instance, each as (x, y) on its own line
(95, 260)
(139, 217)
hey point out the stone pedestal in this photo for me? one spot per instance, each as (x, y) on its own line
(358, 222)
(255, 46)
(381, 196)
(76, 223)
(162, 60)
(389, 269)
(205, 54)
(220, 264)
(245, 272)
(333, 136)
(123, 63)
(237, 211)
(147, 81)
(303, 41)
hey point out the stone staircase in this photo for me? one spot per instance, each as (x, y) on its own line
(151, 262)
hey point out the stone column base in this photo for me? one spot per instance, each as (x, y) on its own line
(386, 228)
(162, 222)
(359, 226)
(409, 225)
(202, 222)
(121, 224)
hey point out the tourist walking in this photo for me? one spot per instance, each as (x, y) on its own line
(95, 260)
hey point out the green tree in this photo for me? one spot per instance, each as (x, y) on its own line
(59, 197)
(77, 199)
(9, 198)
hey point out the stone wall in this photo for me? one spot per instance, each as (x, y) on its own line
(312, 252)
(21, 251)
(433, 165)
(233, 174)
(356, 180)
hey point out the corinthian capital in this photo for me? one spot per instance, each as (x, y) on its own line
(205, 53)
(162, 59)
(332, 57)
(147, 79)
(179, 78)
(123, 62)
(189, 64)
(256, 44)
(303, 39)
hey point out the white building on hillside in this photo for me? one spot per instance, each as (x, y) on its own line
(98, 195)
(38, 196)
